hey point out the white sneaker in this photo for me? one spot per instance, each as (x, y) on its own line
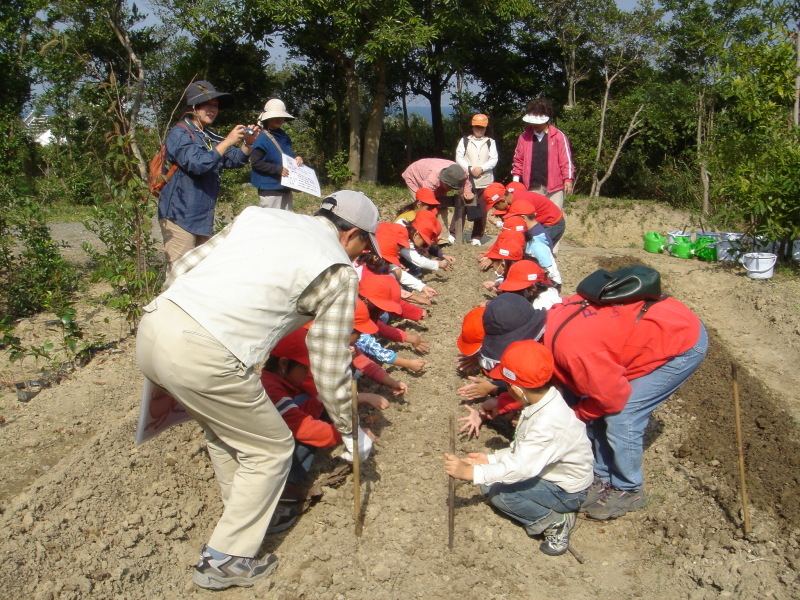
(451, 239)
(475, 242)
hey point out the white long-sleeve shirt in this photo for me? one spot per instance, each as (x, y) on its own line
(550, 442)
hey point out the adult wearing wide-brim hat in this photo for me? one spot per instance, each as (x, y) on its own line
(187, 202)
(266, 160)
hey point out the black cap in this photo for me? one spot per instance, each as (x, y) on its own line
(200, 92)
(510, 318)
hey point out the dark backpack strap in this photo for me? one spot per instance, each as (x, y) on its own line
(646, 306)
(582, 304)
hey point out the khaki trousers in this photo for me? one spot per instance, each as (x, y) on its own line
(275, 199)
(249, 444)
(178, 241)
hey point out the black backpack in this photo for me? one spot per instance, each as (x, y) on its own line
(628, 284)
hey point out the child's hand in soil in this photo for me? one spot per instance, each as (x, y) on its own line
(472, 422)
(457, 468)
(418, 343)
(373, 400)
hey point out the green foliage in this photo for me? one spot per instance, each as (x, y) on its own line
(37, 276)
(757, 149)
(123, 223)
(338, 170)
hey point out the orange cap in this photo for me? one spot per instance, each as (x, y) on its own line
(427, 226)
(514, 223)
(481, 120)
(515, 186)
(293, 346)
(522, 275)
(426, 196)
(527, 364)
(521, 206)
(493, 193)
(509, 246)
(471, 337)
(391, 237)
(361, 322)
(383, 291)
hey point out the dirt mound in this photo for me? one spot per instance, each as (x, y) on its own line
(88, 515)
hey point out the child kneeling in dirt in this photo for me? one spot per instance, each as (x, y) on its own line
(542, 478)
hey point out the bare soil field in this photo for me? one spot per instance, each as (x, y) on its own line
(87, 514)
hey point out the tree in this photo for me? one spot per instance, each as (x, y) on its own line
(361, 40)
(624, 43)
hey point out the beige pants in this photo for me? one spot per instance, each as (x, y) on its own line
(249, 444)
(178, 241)
(275, 199)
(556, 198)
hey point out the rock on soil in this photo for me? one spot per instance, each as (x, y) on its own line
(86, 514)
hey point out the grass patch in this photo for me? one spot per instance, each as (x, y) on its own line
(62, 212)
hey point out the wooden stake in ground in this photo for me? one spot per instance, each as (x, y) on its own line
(451, 488)
(738, 418)
(458, 210)
(356, 463)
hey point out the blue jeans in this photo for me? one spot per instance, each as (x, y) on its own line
(618, 439)
(302, 459)
(532, 500)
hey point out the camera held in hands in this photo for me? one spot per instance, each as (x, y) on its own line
(248, 131)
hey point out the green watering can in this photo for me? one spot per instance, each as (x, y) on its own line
(681, 249)
(654, 242)
(705, 248)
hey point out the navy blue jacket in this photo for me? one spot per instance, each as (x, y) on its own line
(267, 162)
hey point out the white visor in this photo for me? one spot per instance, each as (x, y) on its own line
(536, 119)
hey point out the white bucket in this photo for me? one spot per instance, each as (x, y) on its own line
(671, 235)
(759, 265)
(796, 250)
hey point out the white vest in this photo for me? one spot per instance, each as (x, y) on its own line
(477, 153)
(245, 291)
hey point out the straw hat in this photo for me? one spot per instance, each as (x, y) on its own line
(274, 109)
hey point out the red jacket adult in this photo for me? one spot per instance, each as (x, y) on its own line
(601, 350)
(559, 159)
(303, 420)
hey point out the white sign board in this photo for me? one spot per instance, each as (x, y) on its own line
(300, 177)
(159, 412)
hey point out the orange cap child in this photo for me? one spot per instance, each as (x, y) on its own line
(382, 291)
(495, 193)
(522, 275)
(471, 337)
(515, 186)
(391, 236)
(509, 246)
(362, 323)
(526, 364)
(426, 196)
(521, 206)
(427, 226)
(293, 347)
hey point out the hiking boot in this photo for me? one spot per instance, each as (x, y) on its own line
(614, 503)
(556, 537)
(594, 492)
(292, 494)
(283, 518)
(218, 574)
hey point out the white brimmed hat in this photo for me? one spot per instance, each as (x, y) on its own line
(274, 109)
(536, 119)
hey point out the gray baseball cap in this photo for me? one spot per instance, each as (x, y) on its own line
(356, 209)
